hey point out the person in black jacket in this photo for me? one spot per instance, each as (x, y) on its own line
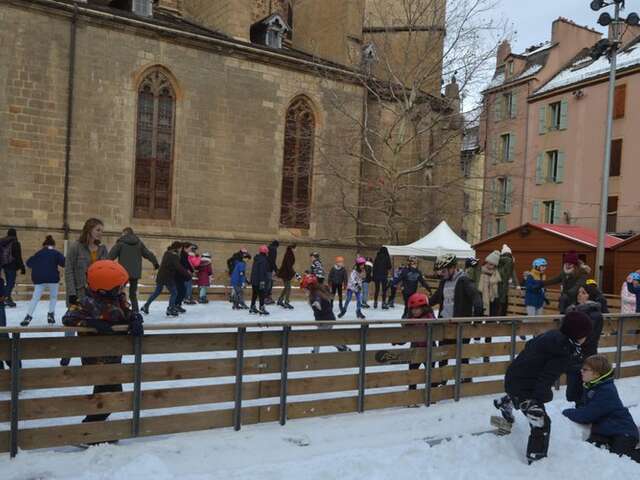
(381, 268)
(286, 273)
(240, 255)
(587, 303)
(531, 376)
(12, 262)
(338, 281)
(260, 274)
(410, 278)
(273, 269)
(457, 296)
(170, 273)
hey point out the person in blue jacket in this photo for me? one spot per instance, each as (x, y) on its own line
(45, 275)
(534, 298)
(238, 280)
(612, 425)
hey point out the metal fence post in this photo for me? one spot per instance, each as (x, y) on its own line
(619, 347)
(363, 363)
(137, 384)
(15, 393)
(284, 374)
(456, 395)
(237, 411)
(514, 328)
(427, 366)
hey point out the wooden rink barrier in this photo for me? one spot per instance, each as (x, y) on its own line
(280, 376)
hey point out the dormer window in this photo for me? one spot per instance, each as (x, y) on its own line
(270, 31)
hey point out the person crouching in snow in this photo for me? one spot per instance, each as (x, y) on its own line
(321, 304)
(104, 306)
(205, 272)
(419, 308)
(612, 425)
(354, 287)
(531, 376)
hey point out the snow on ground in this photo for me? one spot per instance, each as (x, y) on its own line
(380, 444)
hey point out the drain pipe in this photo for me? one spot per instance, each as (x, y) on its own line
(70, 95)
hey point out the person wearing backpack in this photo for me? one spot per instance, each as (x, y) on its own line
(10, 262)
(45, 275)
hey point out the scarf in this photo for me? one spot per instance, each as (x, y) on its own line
(488, 286)
(537, 275)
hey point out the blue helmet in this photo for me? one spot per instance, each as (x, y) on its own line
(635, 276)
(539, 262)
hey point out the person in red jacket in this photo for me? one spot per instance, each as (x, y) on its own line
(419, 308)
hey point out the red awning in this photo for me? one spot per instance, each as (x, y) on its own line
(580, 234)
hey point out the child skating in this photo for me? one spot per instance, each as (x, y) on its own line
(355, 288)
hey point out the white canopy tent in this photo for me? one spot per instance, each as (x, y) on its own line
(441, 240)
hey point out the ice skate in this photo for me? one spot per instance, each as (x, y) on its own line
(145, 309)
(505, 405)
(263, 311)
(253, 310)
(51, 319)
(26, 321)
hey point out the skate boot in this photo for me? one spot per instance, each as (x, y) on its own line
(281, 303)
(172, 312)
(288, 305)
(385, 306)
(179, 309)
(26, 321)
(375, 304)
(203, 300)
(365, 305)
(10, 303)
(263, 311)
(145, 309)
(342, 313)
(253, 310)
(360, 315)
(50, 318)
(505, 405)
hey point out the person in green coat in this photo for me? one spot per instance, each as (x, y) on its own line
(129, 251)
(507, 270)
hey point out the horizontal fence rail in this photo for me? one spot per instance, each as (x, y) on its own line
(177, 379)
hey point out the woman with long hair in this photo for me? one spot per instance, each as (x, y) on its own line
(81, 254)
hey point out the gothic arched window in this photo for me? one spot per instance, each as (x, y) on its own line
(299, 135)
(154, 147)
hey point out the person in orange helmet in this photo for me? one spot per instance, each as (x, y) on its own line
(103, 307)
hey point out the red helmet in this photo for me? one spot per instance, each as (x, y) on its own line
(418, 300)
(308, 281)
(263, 249)
(106, 275)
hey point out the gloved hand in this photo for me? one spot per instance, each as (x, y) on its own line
(72, 300)
(534, 412)
(135, 327)
(100, 326)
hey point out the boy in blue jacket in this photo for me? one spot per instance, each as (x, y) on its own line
(238, 280)
(612, 425)
(534, 298)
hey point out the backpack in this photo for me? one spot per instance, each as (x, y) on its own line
(6, 251)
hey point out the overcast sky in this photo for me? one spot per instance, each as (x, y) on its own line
(531, 19)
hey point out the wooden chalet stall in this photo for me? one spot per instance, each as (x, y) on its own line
(626, 259)
(533, 240)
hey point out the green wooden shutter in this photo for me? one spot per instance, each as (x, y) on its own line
(497, 108)
(494, 151)
(560, 170)
(564, 112)
(536, 211)
(512, 148)
(542, 120)
(539, 169)
(509, 195)
(557, 212)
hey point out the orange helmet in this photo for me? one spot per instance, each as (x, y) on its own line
(308, 280)
(418, 300)
(339, 259)
(106, 275)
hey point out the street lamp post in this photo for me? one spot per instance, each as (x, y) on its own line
(609, 46)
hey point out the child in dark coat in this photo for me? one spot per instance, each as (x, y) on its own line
(531, 376)
(612, 425)
(419, 308)
(321, 303)
(260, 276)
(338, 280)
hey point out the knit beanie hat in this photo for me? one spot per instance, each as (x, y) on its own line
(571, 257)
(505, 249)
(12, 233)
(493, 258)
(576, 325)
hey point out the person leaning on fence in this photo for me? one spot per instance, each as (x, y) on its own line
(419, 308)
(129, 250)
(489, 287)
(456, 296)
(530, 378)
(589, 305)
(535, 294)
(103, 307)
(629, 300)
(612, 426)
(320, 301)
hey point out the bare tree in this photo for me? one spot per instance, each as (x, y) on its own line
(408, 131)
